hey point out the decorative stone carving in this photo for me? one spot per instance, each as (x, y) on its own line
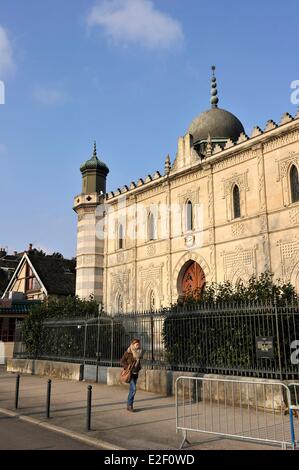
(261, 181)
(238, 229)
(263, 223)
(240, 263)
(294, 216)
(120, 285)
(151, 250)
(120, 257)
(277, 142)
(289, 252)
(232, 160)
(150, 278)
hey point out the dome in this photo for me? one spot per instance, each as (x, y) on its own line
(217, 123)
(94, 163)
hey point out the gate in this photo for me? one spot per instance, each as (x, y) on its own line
(250, 410)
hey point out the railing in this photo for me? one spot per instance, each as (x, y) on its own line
(253, 340)
(237, 409)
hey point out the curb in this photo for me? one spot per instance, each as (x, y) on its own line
(72, 434)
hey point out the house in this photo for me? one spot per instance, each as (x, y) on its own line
(35, 278)
(39, 276)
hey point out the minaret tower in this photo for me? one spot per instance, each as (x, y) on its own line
(90, 247)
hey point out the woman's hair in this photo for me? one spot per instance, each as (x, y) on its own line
(135, 340)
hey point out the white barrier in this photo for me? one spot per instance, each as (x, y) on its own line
(249, 410)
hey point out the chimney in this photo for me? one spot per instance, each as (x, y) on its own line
(3, 252)
(30, 247)
(15, 253)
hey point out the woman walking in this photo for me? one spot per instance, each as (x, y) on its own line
(131, 359)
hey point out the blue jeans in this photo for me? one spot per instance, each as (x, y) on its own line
(132, 391)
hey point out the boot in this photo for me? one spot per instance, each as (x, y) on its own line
(130, 408)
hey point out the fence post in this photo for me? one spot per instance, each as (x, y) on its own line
(112, 341)
(98, 347)
(278, 336)
(292, 429)
(88, 411)
(17, 391)
(152, 341)
(48, 399)
(84, 351)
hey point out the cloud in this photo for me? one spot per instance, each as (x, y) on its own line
(136, 22)
(49, 95)
(7, 64)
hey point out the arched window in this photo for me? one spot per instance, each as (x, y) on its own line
(236, 202)
(189, 216)
(294, 179)
(120, 237)
(151, 227)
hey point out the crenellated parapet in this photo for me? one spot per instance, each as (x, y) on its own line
(257, 133)
(141, 183)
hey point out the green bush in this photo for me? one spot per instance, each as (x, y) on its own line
(36, 337)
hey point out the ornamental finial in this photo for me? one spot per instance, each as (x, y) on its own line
(214, 91)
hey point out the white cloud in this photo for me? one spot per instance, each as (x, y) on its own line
(49, 95)
(7, 64)
(136, 21)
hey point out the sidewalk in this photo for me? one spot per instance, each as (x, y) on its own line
(152, 427)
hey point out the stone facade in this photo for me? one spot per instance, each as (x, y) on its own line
(141, 272)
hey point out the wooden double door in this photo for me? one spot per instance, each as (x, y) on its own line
(194, 280)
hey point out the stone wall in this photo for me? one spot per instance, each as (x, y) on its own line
(256, 393)
(58, 370)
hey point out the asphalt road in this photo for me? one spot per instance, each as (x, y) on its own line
(19, 435)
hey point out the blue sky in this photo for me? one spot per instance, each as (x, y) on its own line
(131, 74)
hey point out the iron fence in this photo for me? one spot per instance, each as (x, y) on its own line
(253, 340)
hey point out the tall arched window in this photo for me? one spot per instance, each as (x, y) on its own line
(236, 202)
(120, 237)
(294, 180)
(189, 216)
(151, 227)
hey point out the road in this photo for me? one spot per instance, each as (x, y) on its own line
(19, 435)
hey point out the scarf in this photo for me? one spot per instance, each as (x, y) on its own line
(137, 354)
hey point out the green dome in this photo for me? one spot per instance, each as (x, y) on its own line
(94, 163)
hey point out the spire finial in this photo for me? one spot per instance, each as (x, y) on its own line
(167, 165)
(95, 150)
(214, 91)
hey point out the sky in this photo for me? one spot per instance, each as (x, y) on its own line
(132, 75)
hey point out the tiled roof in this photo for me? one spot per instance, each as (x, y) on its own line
(57, 274)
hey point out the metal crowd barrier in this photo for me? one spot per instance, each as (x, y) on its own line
(251, 410)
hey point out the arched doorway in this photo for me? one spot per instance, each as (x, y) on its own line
(191, 281)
